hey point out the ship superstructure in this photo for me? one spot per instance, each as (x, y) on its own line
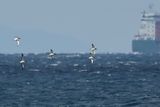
(148, 38)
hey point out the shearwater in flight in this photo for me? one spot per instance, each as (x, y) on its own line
(93, 49)
(22, 61)
(17, 39)
(92, 53)
(51, 54)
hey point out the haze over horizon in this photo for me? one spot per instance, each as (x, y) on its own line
(70, 26)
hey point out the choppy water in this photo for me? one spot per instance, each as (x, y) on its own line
(114, 80)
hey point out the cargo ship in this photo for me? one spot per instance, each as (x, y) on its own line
(148, 38)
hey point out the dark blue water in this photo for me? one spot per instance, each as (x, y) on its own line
(69, 80)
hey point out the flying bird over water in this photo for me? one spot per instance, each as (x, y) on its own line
(51, 54)
(93, 49)
(17, 39)
(22, 61)
(92, 53)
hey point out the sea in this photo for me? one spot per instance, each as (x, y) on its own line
(70, 80)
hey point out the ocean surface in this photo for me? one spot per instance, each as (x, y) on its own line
(70, 80)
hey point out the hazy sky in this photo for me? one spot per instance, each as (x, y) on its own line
(70, 25)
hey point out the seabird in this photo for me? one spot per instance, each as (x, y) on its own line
(92, 53)
(17, 39)
(93, 49)
(22, 61)
(51, 54)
